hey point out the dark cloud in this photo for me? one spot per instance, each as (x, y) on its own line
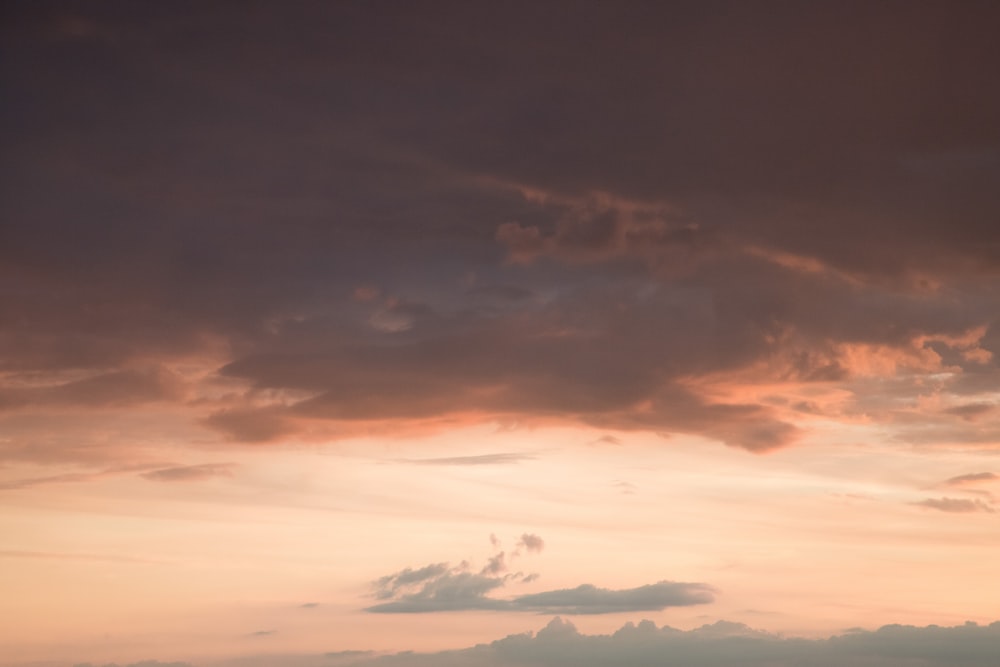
(405, 215)
(262, 633)
(971, 411)
(119, 388)
(191, 473)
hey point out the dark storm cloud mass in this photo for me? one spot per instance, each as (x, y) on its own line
(535, 212)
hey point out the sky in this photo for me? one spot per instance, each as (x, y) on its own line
(394, 333)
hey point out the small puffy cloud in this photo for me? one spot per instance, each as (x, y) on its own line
(531, 543)
(496, 564)
(955, 505)
(191, 473)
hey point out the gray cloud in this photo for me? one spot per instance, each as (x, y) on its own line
(721, 644)
(559, 644)
(449, 591)
(531, 543)
(440, 587)
(588, 599)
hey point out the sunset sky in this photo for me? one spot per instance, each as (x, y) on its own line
(590, 333)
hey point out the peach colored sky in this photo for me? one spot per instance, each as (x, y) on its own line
(395, 326)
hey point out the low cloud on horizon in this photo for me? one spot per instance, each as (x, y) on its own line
(721, 644)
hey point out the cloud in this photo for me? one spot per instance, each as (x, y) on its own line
(143, 663)
(466, 591)
(440, 587)
(720, 644)
(50, 555)
(560, 644)
(75, 477)
(191, 473)
(588, 599)
(972, 478)
(956, 505)
(531, 543)
(499, 458)
(389, 585)
(102, 390)
(612, 290)
(454, 590)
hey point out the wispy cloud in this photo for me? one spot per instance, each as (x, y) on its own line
(956, 505)
(500, 458)
(972, 478)
(191, 473)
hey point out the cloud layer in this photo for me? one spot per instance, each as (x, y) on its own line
(443, 225)
(721, 644)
